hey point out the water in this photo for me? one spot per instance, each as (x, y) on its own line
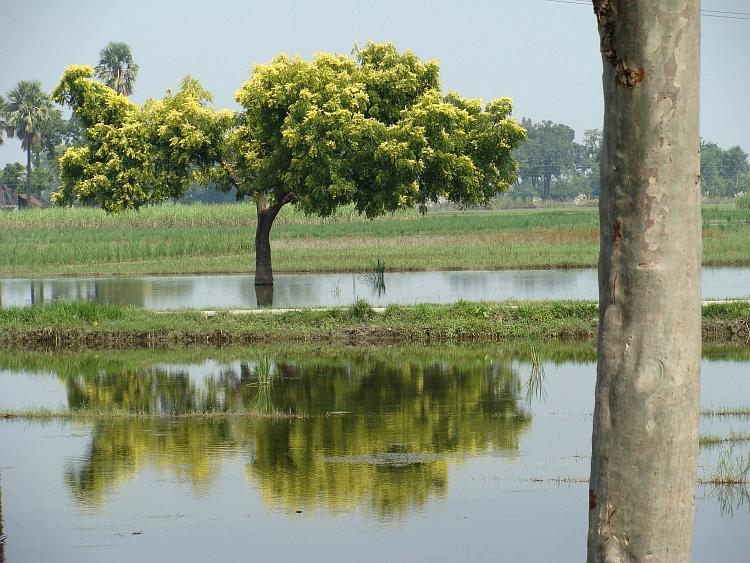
(415, 454)
(326, 290)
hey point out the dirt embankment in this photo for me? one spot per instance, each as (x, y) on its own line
(734, 332)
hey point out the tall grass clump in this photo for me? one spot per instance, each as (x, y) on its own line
(62, 314)
(742, 200)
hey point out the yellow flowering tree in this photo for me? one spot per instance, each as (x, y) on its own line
(372, 130)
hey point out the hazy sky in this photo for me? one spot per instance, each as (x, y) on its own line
(545, 55)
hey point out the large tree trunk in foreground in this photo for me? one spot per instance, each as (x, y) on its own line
(645, 440)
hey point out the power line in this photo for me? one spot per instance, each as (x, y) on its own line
(707, 13)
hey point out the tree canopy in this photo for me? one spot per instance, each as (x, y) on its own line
(724, 173)
(28, 112)
(116, 68)
(373, 131)
(3, 115)
(550, 151)
(133, 156)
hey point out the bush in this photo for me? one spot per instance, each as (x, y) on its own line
(361, 310)
(742, 200)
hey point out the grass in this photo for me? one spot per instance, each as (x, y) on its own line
(203, 239)
(711, 440)
(730, 469)
(173, 239)
(739, 411)
(88, 324)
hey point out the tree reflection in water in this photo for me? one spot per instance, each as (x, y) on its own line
(370, 434)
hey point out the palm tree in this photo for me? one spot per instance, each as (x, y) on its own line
(28, 110)
(3, 113)
(116, 68)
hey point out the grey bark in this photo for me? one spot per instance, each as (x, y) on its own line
(645, 438)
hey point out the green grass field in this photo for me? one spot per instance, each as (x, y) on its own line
(176, 239)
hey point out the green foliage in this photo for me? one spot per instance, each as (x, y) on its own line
(3, 118)
(136, 156)
(59, 313)
(116, 68)
(27, 111)
(549, 152)
(731, 469)
(213, 238)
(373, 131)
(724, 173)
(30, 116)
(361, 310)
(12, 175)
(742, 200)
(483, 310)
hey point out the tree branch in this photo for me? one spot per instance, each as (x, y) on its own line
(236, 181)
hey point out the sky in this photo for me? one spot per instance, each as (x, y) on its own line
(543, 54)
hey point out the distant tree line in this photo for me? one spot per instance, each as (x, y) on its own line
(553, 166)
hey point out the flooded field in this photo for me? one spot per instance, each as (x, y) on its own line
(327, 290)
(413, 454)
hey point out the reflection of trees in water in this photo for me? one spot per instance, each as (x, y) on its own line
(154, 391)
(187, 450)
(123, 291)
(373, 434)
(120, 291)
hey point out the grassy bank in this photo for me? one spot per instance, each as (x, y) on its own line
(176, 239)
(81, 325)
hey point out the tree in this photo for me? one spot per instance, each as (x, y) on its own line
(723, 172)
(645, 438)
(133, 156)
(373, 131)
(12, 176)
(549, 151)
(3, 122)
(28, 112)
(116, 68)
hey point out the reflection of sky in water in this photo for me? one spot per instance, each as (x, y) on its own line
(324, 290)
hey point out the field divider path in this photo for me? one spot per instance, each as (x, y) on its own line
(237, 312)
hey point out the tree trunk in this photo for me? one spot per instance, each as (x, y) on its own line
(28, 176)
(645, 439)
(547, 186)
(266, 217)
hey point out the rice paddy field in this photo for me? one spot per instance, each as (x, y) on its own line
(181, 239)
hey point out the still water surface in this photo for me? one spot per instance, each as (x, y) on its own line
(326, 290)
(403, 455)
